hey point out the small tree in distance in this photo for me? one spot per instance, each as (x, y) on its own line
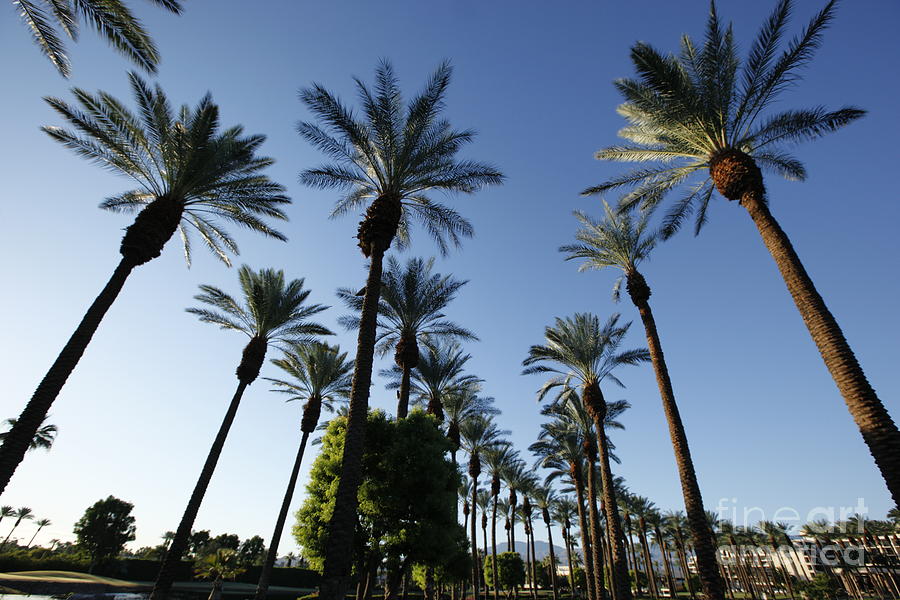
(105, 528)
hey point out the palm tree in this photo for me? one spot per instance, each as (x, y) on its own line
(190, 176)
(273, 311)
(479, 433)
(6, 511)
(319, 376)
(496, 459)
(619, 242)
(410, 310)
(564, 511)
(43, 438)
(580, 351)
(643, 508)
(695, 114)
(483, 503)
(561, 448)
(387, 161)
(112, 19)
(544, 499)
(21, 514)
(775, 534)
(41, 523)
(515, 476)
(657, 522)
(219, 565)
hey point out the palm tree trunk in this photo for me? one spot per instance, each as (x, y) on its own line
(648, 561)
(586, 550)
(494, 550)
(6, 539)
(552, 559)
(474, 531)
(34, 536)
(403, 393)
(29, 421)
(263, 586)
(663, 550)
(705, 547)
(534, 583)
(596, 536)
(617, 551)
(336, 575)
(481, 561)
(566, 533)
(877, 428)
(166, 576)
(630, 537)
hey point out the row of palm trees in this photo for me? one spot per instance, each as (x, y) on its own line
(20, 514)
(693, 113)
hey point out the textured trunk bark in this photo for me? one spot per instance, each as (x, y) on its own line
(617, 552)
(474, 531)
(877, 428)
(701, 533)
(481, 561)
(338, 556)
(263, 586)
(166, 576)
(596, 536)
(586, 550)
(403, 393)
(29, 421)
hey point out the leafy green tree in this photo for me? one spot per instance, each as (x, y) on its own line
(272, 311)
(413, 299)
(320, 377)
(706, 112)
(510, 571)
(821, 587)
(386, 162)
(105, 528)
(224, 563)
(618, 241)
(47, 19)
(252, 551)
(581, 351)
(406, 497)
(190, 175)
(43, 438)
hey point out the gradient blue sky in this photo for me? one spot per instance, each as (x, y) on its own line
(766, 424)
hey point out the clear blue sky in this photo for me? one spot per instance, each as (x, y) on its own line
(765, 421)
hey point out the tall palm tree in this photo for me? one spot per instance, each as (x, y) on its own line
(544, 499)
(564, 511)
(697, 114)
(619, 242)
(43, 438)
(775, 534)
(479, 434)
(112, 19)
(515, 476)
(21, 514)
(41, 523)
(319, 377)
(496, 459)
(413, 299)
(272, 311)
(483, 503)
(657, 522)
(190, 176)
(386, 162)
(579, 351)
(643, 508)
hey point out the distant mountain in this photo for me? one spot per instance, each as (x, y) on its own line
(541, 549)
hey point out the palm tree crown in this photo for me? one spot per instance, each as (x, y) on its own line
(704, 110)
(320, 375)
(190, 175)
(619, 240)
(111, 18)
(396, 153)
(272, 311)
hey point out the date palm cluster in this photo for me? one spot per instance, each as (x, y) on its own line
(702, 125)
